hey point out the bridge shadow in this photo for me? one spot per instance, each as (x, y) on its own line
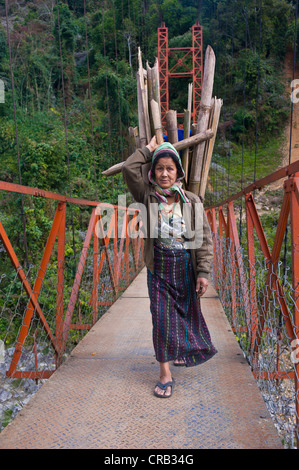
(102, 396)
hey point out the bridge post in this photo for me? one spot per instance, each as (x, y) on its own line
(236, 259)
(60, 280)
(252, 271)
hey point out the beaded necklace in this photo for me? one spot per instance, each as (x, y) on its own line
(171, 211)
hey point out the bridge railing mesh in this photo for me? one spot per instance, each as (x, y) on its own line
(49, 304)
(256, 256)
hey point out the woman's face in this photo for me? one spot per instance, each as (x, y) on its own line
(165, 172)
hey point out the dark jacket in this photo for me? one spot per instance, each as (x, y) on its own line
(144, 193)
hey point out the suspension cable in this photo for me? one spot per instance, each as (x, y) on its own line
(118, 92)
(90, 102)
(231, 93)
(16, 133)
(66, 130)
(257, 91)
(106, 79)
(244, 108)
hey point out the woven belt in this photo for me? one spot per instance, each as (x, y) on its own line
(173, 244)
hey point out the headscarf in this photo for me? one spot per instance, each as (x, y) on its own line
(167, 150)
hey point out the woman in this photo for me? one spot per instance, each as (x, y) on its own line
(177, 264)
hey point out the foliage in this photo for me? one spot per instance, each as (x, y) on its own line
(69, 133)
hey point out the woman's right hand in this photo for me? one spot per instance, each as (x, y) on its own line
(152, 146)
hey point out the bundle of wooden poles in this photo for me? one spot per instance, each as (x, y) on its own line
(196, 148)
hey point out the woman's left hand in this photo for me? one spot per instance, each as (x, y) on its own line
(201, 285)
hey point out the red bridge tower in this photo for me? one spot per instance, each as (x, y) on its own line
(180, 67)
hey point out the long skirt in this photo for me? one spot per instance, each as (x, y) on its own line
(179, 329)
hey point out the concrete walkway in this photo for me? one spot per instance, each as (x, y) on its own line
(102, 396)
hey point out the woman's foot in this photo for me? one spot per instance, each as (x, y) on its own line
(164, 391)
(179, 362)
(165, 377)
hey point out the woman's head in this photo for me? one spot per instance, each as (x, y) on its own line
(166, 166)
(165, 171)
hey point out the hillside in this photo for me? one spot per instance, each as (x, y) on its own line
(289, 58)
(75, 93)
(270, 196)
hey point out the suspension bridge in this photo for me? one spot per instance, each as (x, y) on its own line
(80, 326)
(102, 396)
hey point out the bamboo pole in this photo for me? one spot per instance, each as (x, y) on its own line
(210, 146)
(203, 119)
(172, 126)
(132, 143)
(187, 124)
(141, 120)
(154, 101)
(137, 137)
(157, 121)
(149, 83)
(150, 95)
(193, 140)
(144, 97)
(156, 83)
(147, 111)
(193, 128)
(185, 154)
(133, 139)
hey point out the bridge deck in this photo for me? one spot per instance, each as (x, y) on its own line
(102, 396)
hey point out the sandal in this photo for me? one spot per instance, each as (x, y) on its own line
(164, 388)
(180, 363)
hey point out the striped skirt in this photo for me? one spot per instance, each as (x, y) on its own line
(179, 328)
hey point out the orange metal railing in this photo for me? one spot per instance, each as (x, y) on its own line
(259, 285)
(114, 246)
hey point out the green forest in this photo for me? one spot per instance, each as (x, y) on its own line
(66, 118)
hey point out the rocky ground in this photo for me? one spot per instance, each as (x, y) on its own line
(15, 393)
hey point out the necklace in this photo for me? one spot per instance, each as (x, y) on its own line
(168, 212)
(162, 206)
(164, 210)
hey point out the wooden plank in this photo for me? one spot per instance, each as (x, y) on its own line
(209, 147)
(203, 120)
(193, 140)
